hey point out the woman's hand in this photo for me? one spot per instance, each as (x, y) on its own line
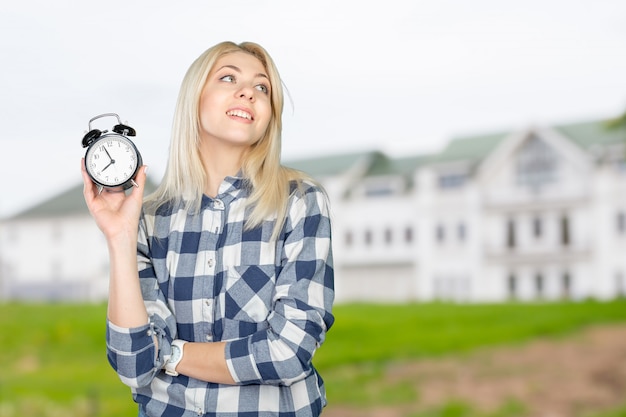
(116, 213)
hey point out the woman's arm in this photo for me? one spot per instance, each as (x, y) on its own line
(205, 361)
(117, 216)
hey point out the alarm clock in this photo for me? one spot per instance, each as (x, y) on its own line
(112, 159)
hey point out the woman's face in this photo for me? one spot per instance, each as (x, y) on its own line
(235, 105)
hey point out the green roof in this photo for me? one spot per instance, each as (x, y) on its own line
(379, 164)
(585, 135)
(384, 165)
(327, 165)
(474, 148)
(593, 133)
(69, 202)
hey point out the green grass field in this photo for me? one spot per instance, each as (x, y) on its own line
(54, 363)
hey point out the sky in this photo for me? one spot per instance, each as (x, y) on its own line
(399, 76)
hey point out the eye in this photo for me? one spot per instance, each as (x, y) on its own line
(263, 88)
(228, 78)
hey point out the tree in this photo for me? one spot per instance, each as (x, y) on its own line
(617, 122)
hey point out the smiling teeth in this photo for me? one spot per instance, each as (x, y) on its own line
(239, 113)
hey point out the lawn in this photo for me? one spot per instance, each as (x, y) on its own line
(54, 361)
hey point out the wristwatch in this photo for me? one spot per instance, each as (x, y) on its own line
(175, 357)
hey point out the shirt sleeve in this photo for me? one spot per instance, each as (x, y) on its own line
(138, 354)
(302, 312)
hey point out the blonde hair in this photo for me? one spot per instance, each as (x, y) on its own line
(185, 178)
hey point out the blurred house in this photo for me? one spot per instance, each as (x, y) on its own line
(538, 214)
(53, 251)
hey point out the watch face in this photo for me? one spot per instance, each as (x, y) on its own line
(175, 353)
(112, 160)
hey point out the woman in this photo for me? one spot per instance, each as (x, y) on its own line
(218, 304)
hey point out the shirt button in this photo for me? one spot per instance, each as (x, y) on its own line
(208, 302)
(218, 204)
(211, 262)
(209, 337)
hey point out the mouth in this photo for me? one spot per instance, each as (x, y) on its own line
(240, 113)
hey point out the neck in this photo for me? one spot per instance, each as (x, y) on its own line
(220, 163)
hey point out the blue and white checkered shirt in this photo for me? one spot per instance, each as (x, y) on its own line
(206, 279)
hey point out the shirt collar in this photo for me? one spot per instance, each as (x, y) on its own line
(231, 188)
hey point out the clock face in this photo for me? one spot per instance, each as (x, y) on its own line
(112, 160)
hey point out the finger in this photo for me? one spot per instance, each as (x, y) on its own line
(88, 185)
(140, 180)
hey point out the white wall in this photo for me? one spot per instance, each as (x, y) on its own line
(48, 256)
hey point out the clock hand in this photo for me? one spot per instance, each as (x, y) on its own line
(107, 152)
(110, 163)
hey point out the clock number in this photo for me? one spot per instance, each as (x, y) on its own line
(96, 156)
(109, 143)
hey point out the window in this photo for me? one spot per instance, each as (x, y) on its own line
(512, 286)
(440, 233)
(565, 233)
(383, 186)
(388, 235)
(536, 164)
(461, 231)
(408, 235)
(566, 285)
(621, 222)
(537, 227)
(452, 180)
(368, 237)
(539, 284)
(349, 238)
(510, 234)
(378, 190)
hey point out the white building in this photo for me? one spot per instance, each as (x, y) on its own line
(533, 215)
(54, 251)
(538, 214)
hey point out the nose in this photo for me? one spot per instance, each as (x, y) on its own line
(246, 93)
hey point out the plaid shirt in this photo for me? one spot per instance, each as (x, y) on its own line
(205, 279)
